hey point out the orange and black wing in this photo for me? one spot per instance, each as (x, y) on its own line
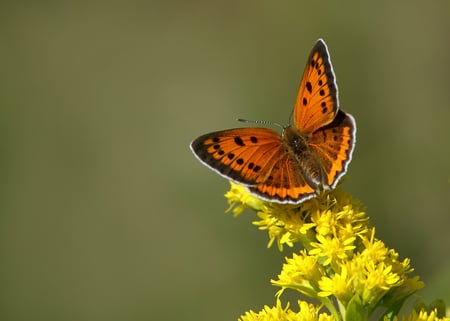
(257, 158)
(317, 98)
(333, 146)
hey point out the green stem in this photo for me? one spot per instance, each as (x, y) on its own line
(332, 308)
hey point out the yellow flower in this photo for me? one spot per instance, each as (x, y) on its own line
(405, 289)
(378, 280)
(275, 227)
(307, 312)
(378, 274)
(239, 194)
(351, 219)
(342, 264)
(332, 250)
(285, 223)
(374, 250)
(339, 285)
(301, 273)
(423, 315)
(332, 213)
(325, 222)
(268, 313)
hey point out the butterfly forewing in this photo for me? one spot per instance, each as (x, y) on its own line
(317, 99)
(246, 155)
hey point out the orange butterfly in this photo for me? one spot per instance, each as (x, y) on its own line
(312, 153)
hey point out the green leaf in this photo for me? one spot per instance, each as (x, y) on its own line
(355, 310)
(393, 309)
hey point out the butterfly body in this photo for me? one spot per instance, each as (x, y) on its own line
(311, 154)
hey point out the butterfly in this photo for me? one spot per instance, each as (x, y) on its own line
(310, 155)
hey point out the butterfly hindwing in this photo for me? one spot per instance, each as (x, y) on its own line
(286, 182)
(317, 98)
(333, 146)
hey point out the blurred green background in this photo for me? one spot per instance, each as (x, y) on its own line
(106, 215)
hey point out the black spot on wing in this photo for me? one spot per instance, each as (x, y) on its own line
(238, 140)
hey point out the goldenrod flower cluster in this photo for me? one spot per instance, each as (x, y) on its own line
(342, 266)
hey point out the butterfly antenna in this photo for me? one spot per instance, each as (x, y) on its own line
(262, 122)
